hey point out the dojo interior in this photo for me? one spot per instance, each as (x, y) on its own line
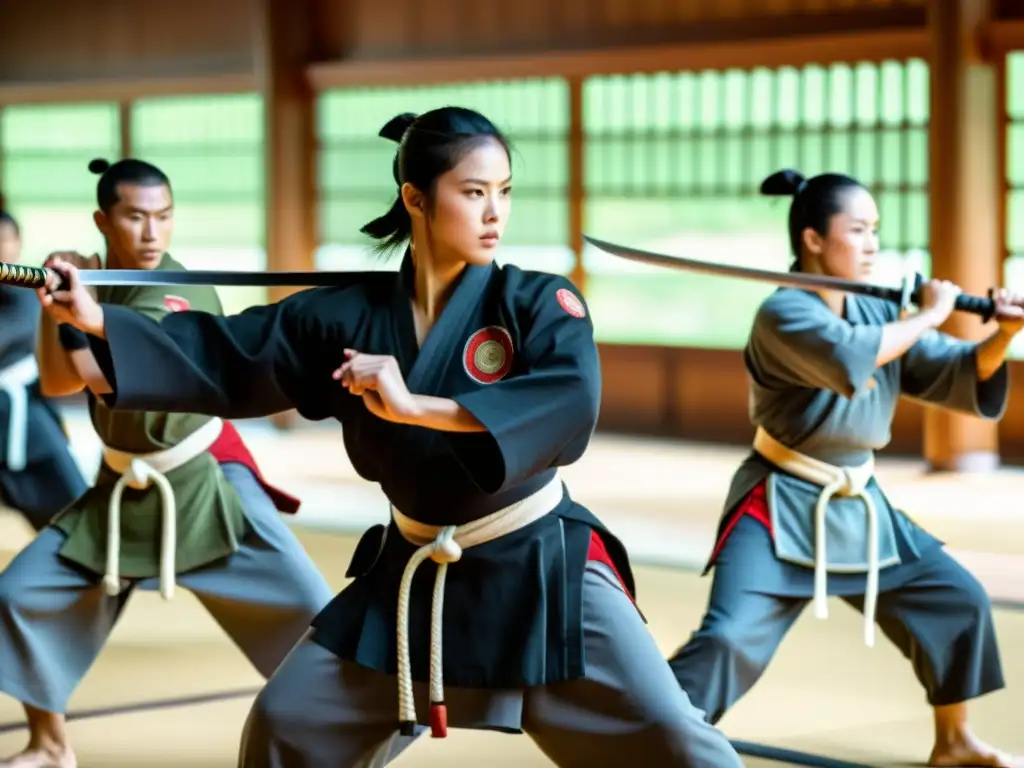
(645, 122)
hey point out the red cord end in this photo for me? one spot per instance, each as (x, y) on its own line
(438, 721)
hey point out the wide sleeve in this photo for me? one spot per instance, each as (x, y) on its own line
(71, 338)
(942, 370)
(265, 360)
(544, 414)
(797, 341)
(153, 301)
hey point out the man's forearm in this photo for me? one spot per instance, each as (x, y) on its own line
(58, 375)
(991, 354)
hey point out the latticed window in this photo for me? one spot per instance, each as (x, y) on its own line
(211, 148)
(45, 177)
(356, 183)
(674, 162)
(1014, 264)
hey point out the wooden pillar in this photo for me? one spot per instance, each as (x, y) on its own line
(964, 190)
(283, 37)
(577, 188)
(124, 118)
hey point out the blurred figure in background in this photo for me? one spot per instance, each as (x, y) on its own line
(38, 474)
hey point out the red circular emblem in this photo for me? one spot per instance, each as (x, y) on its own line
(487, 357)
(570, 302)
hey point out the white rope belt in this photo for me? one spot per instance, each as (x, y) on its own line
(834, 481)
(444, 545)
(14, 381)
(140, 470)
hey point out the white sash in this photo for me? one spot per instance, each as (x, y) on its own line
(140, 470)
(14, 381)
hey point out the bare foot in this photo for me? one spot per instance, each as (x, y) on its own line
(968, 751)
(40, 757)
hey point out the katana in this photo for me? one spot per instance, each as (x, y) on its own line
(39, 277)
(909, 293)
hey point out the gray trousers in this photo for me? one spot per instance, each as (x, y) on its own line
(55, 617)
(318, 710)
(933, 610)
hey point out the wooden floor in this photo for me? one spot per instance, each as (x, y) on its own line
(170, 690)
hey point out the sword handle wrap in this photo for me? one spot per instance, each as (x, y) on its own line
(977, 305)
(24, 277)
(983, 306)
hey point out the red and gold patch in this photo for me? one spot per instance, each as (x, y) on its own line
(487, 357)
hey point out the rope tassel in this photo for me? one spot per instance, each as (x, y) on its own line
(443, 550)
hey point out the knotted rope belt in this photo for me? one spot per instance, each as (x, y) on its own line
(140, 470)
(834, 481)
(444, 545)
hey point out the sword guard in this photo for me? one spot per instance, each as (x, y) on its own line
(911, 284)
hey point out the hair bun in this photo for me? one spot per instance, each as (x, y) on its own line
(99, 166)
(396, 127)
(783, 183)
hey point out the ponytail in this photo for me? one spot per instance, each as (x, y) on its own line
(390, 230)
(394, 227)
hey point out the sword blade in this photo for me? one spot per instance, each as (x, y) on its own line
(36, 277)
(222, 277)
(788, 279)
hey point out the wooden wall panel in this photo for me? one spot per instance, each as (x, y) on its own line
(61, 41)
(701, 395)
(376, 29)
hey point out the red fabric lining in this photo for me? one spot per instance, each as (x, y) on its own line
(599, 554)
(755, 505)
(229, 447)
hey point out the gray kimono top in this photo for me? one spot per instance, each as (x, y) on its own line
(816, 389)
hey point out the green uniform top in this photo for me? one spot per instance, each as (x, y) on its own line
(211, 520)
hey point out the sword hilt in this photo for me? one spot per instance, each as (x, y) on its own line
(983, 306)
(24, 277)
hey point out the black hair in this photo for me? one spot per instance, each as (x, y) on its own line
(815, 201)
(126, 171)
(6, 217)
(429, 145)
